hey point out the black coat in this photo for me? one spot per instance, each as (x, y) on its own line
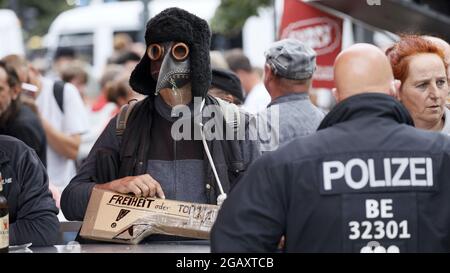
(32, 210)
(26, 126)
(111, 159)
(365, 179)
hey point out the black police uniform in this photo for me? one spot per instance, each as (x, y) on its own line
(32, 210)
(367, 181)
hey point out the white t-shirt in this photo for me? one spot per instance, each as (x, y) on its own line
(73, 121)
(257, 100)
(97, 122)
(446, 128)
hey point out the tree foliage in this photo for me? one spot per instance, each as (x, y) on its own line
(231, 15)
(35, 15)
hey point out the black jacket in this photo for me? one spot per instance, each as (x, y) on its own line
(128, 157)
(32, 210)
(26, 126)
(366, 181)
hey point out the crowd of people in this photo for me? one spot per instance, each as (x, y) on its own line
(368, 175)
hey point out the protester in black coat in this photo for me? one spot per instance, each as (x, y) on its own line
(146, 158)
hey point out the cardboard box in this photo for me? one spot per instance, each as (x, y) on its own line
(127, 219)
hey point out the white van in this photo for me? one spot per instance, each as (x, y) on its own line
(11, 40)
(90, 30)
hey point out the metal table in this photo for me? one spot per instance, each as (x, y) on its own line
(68, 232)
(155, 247)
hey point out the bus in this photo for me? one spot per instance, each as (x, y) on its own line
(11, 39)
(90, 30)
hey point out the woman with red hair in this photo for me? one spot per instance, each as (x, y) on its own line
(421, 68)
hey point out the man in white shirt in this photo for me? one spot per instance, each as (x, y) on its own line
(64, 123)
(257, 97)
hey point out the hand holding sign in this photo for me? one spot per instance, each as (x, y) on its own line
(141, 186)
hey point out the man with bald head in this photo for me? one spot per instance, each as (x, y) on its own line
(363, 68)
(367, 181)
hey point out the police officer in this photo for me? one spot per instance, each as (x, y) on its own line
(367, 181)
(32, 211)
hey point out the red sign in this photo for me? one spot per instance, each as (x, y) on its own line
(322, 31)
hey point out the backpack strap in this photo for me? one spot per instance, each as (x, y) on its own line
(122, 117)
(132, 131)
(58, 92)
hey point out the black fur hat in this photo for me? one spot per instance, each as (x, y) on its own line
(178, 25)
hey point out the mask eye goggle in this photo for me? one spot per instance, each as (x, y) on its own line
(179, 51)
(155, 52)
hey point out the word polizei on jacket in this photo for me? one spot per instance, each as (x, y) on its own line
(362, 175)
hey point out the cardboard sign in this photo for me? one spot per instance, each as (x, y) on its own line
(318, 29)
(128, 219)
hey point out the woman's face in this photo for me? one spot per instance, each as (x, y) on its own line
(425, 89)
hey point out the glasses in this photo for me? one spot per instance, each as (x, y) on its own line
(179, 51)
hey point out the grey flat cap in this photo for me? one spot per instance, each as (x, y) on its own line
(291, 59)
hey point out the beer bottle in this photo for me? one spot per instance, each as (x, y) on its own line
(4, 221)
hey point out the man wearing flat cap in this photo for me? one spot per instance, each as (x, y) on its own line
(289, 69)
(145, 157)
